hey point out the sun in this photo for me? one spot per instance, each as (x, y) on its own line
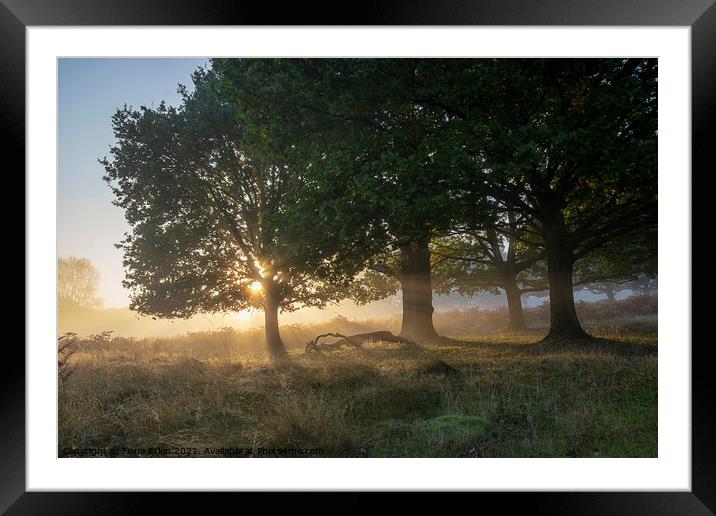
(256, 287)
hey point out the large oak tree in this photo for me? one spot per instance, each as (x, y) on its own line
(360, 116)
(219, 223)
(569, 144)
(487, 260)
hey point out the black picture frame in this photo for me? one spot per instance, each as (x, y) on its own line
(700, 15)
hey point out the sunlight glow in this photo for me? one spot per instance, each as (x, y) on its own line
(261, 268)
(255, 287)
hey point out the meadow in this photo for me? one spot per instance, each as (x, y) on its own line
(480, 392)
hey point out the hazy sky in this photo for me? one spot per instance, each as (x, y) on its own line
(90, 91)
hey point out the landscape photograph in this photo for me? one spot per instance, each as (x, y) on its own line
(357, 257)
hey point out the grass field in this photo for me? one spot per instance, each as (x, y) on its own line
(485, 396)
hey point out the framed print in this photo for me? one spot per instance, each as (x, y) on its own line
(414, 250)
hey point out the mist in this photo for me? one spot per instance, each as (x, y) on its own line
(123, 321)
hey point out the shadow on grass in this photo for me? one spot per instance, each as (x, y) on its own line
(591, 344)
(533, 343)
(491, 345)
(381, 350)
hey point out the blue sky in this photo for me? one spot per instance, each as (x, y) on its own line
(90, 91)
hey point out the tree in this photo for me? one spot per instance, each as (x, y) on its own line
(568, 144)
(360, 116)
(219, 223)
(605, 288)
(484, 261)
(486, 252)
(644, 284)
(77, 281)
(628, 264)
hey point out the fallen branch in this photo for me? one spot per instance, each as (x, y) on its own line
(353, 340)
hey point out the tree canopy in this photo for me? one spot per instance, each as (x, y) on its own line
(219, 223)
(282, 183)
(359, 117)
(569, 144)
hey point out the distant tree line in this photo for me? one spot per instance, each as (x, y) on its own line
(282, 183)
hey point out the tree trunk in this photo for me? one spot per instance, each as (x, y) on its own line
(563, 322)
(416, 285)
(274, 344)
(514, 306)
(611, 295)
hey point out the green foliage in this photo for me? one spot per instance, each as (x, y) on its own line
(355, 121)
(570, 144)
(628, 258)
(372, 285)
(437, 144)
(317, 169)
(214, 209)
(485, 261)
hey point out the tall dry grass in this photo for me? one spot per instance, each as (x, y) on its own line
(486, 395)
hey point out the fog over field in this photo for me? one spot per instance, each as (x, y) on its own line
(125, 322)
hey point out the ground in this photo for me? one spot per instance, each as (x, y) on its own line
(487, 396)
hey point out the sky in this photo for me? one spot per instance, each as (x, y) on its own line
(90, 91)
